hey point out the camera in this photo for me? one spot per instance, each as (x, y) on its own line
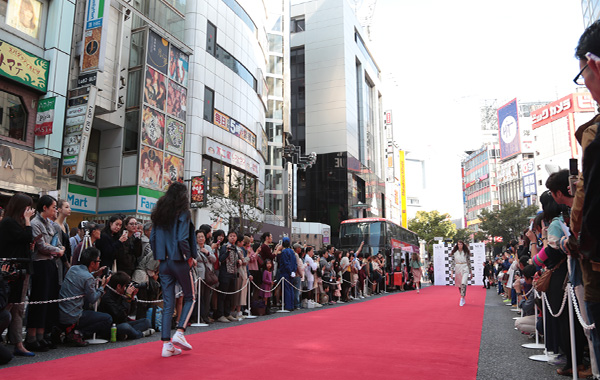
(17, 267)
(139, 285)
(107, 272)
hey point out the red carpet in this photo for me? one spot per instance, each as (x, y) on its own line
(400, 336)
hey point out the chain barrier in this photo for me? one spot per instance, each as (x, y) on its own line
(49, 301)
(562, 307)
(578, 312)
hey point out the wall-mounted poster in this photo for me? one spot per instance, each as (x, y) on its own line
(155, 89)
(151, 168)
(173, 170)
(153, 128)
(177, 100)
(178, 66)
(158, 52)
(24, 15)
(174, 136)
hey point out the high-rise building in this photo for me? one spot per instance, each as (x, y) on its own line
(336, 109)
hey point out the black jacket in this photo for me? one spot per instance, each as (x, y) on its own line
(116, 305)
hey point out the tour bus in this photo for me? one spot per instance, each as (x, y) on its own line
(380, 236)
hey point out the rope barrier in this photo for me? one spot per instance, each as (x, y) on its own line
(228, 293)
(578, 312)
(300, 290)
(562, 307)
(267, 290)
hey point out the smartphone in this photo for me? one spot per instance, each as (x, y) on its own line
(280, 241)
(125, 233)
(573, 171)
(592, 56)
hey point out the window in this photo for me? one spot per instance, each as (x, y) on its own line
(211, 39)
(297, 25)
(238, 10)
(228, 60)
(132, 125)
(209, 104)
(13, 122)
(24, 17)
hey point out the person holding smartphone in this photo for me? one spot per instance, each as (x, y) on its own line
(132, 246)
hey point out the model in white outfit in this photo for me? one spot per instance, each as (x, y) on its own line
(462, 268)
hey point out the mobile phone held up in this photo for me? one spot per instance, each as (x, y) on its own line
(573, 171)
(592, 57)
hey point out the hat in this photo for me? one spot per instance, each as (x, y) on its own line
(286, 240)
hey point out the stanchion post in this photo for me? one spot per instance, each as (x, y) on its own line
(249, 316)
(199, 300)
(544, 357)
(572, 331)
(537, 344)
(281, 282)
(94, 340)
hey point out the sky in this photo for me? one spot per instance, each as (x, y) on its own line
(440, 60)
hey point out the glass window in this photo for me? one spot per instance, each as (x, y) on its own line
(211, 39)
(133, 88)
(216, 178)
(13, 122)
(275, 65)
(297, 25)
(209, 104)
(25, 16)
(275, 43)
(137, 52)
(206, 167)
(230, 61)
(132, 125)
(275, 86)
(238, 10)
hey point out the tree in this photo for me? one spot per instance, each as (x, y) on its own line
(463, 234)
(235, 199)
(432, 224)
(508, 222)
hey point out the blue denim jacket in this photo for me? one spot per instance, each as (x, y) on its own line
(164, 241)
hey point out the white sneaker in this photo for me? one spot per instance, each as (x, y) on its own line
(462, 301)
(318, 304)
(170, 350)
(179, 340)
(148, 332)
(418, 290)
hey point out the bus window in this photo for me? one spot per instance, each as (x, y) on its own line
(376, 235)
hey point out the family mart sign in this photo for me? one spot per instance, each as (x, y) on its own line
(82, 199)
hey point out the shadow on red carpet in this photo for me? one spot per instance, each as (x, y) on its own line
(399, 336)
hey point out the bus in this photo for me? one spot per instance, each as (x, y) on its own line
(380, 236)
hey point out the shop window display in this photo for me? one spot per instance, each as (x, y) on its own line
(14, 116)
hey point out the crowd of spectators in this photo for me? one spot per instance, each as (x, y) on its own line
(107, 276)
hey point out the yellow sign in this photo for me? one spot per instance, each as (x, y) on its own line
(472, 222)
(403, 189)
(23, 67)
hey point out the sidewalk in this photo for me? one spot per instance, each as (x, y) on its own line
(500, 354)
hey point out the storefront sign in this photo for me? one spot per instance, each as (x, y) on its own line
(23, 67)
(197, 191)
(578, 102)
(87, 79)
(234, 127)
(403, 190)
(45, 117)
(146, 204)
(82, 199)
(230, 156)
(32, 173)
(94, 39)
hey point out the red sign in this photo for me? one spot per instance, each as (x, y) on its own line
(578, 102)
(198, 194)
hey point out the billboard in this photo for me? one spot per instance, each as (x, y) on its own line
(578, 102)
(508, 129)
(94, 35)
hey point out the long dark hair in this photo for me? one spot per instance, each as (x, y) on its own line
(170, 205)
(465, 248)
(16, 207)
(111, 220)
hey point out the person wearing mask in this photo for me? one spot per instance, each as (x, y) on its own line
(176, 250)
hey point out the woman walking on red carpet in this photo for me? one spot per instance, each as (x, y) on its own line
(176, 249)
(462, 268)
(415, 269)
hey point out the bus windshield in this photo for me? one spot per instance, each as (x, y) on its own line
(372, 233)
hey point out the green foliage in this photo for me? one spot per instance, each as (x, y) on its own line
(235, 203)
(463, 234)
(508, 222)
(432, 224)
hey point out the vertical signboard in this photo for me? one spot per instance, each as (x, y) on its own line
(78, 128)
(94, 35)
(403, 189)
(197, 191)
(508, 125)
(45, 117)
(529, 185)
(164, 109)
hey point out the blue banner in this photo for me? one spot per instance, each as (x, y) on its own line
(508, 130)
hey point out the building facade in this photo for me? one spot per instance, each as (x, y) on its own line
(336, 112)
(35, 47)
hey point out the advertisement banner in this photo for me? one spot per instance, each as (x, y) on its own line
(234, 127)
(578, 102)
(45, 117)
(230, 156)
(403, 189)
(151, 168)
(23, 67)
(508, 125)
(197, 191)
(77, 135)
(94, 35)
